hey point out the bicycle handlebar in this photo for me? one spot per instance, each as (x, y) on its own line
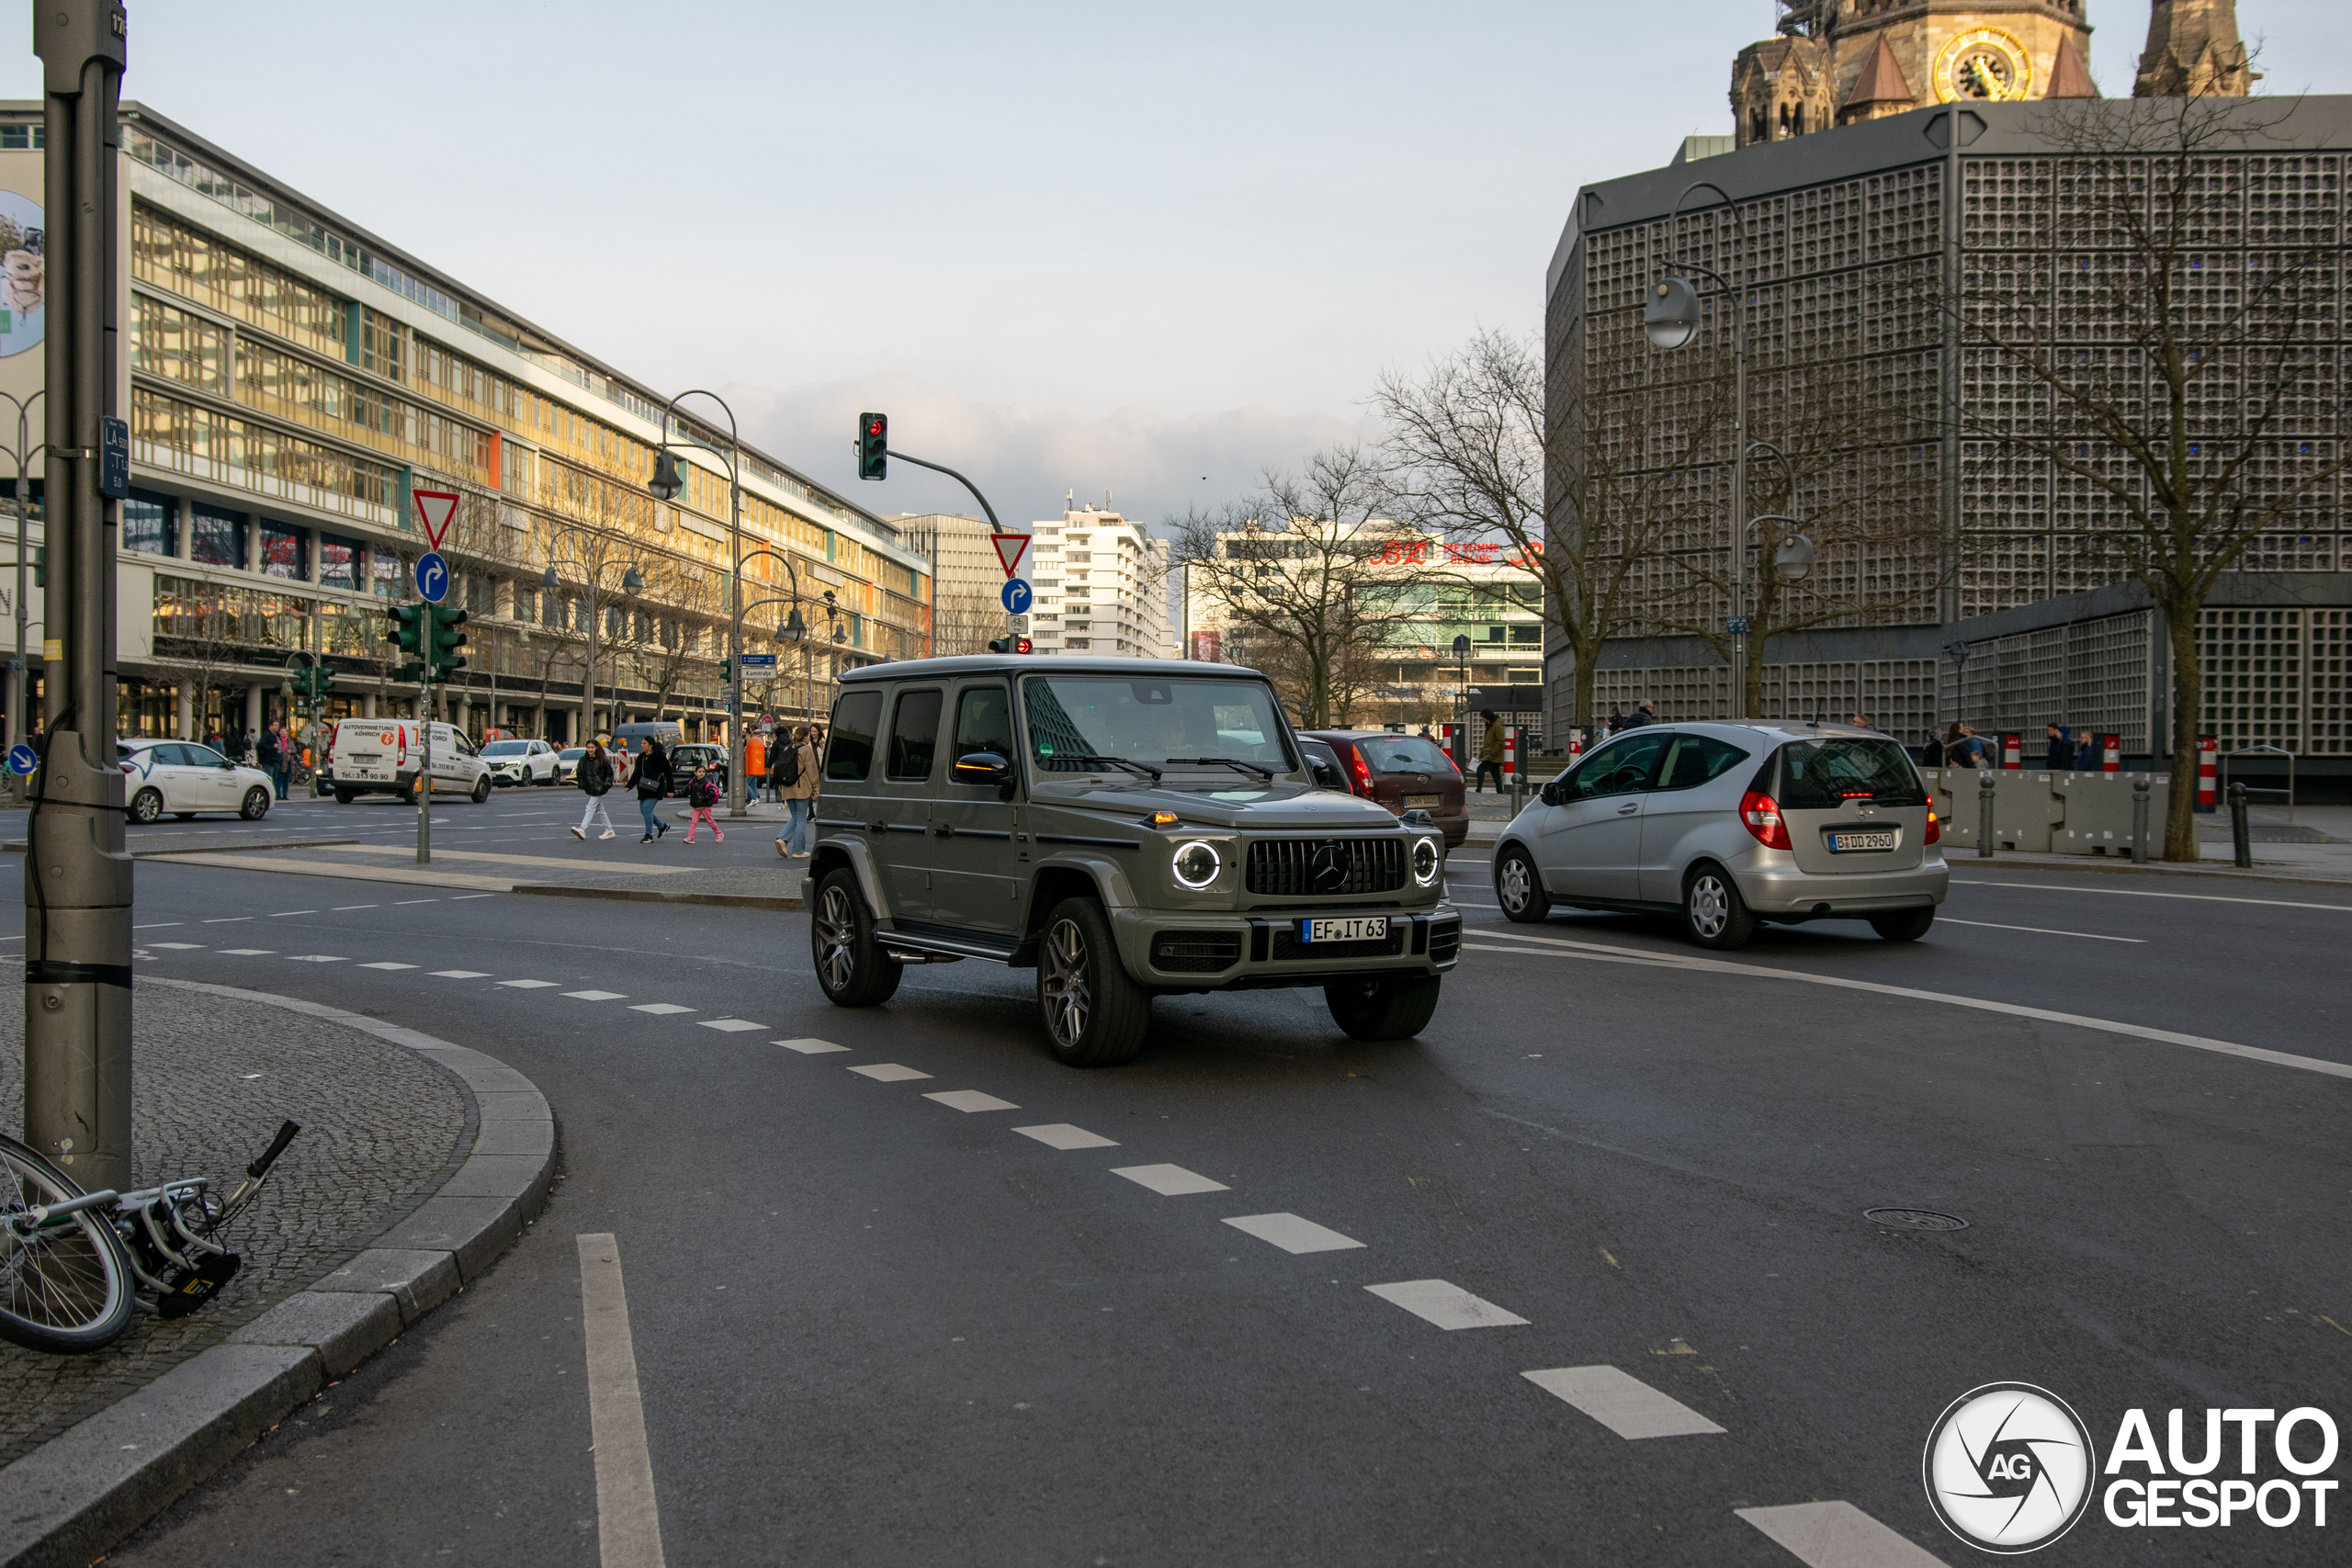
(260, 1168)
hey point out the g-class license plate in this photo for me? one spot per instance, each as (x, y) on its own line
(1850, 844)
(1355, 928)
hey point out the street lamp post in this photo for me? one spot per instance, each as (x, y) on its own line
(23, 455)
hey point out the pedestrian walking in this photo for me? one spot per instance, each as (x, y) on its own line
(1963, 750)
(1615, 721)
(702, 794)
(594, 777)
(795, 780)
(2087, 759)
(755, 769)
(1641, 716)
(2060, 757)
(650, 774)
(271, 751)
(1490, 753)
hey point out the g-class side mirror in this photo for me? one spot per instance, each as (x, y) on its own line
(983, 768)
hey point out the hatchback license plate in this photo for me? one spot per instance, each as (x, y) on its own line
(1425, 802)
(1355, 928)
(1850, 844)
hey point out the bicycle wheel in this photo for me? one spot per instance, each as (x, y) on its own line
(66, 1288)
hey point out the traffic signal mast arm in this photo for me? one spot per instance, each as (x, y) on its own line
(873, 449)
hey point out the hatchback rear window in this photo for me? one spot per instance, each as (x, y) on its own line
(849, 745)
(1402, 754)
(1817, 776)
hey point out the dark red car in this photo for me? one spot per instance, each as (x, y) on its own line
(1401, 772)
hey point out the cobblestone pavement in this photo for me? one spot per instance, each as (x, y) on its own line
(215, 1076)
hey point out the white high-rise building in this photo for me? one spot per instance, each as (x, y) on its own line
(1102, 586)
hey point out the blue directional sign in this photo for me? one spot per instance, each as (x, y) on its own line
(432, 577)
(22, 759)
(1016, 596)
(1736, 625)
(759, 662)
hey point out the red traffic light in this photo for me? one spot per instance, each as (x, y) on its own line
(1023, 644)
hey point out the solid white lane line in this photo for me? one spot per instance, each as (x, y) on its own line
(659, 1010)
(808, 1047)
(530, 985)
(1445, 1304)
(628, 1524)
(1170, 1180)
(970, 1100)
(1559, 949)
(388, 967)
(2141, 893)
(1944, 919)
(1837, 1535)
(1062, 1135)
(181, 946)
(461, 973)
(888, 1072)
(730, 1025)
(1291, 1234)
(1623, 1403)
(315, 958)
(597, 996)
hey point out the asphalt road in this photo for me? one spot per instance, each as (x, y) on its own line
(873, 1329)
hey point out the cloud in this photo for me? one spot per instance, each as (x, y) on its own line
(1026, 458)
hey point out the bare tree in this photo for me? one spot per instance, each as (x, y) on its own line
(676, 652)
(2161, 355)
(1467, 443)
(965, 621)
(203, 636)
(1309, 573)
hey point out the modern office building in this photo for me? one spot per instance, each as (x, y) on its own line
(291, 379)
(967, 579)
(1101, 585)
(1839, 229)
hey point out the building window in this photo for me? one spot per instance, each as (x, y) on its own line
(339, 562)
(526, 603)
(1077, 642)
(21, 137)
(284, 551)
(151, 524)
(217, 537)
(386, 571)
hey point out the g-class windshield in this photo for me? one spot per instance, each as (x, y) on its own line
(1080, 724)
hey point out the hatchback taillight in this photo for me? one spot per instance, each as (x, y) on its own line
(1934, 829)
(1359, 771)
(1761, 815)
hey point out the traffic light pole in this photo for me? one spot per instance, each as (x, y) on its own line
(77, 873)
(994, 526)
(425, 767)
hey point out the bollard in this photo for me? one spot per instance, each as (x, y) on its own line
(2140, 792)
(2208, 748)
(1511, 755)
(2240, 832)
(1985, 792)
(2110, 754)
(2012, 752)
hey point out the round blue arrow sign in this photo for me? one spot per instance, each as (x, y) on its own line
(432, 577)
(22, 759)
(1015, 596)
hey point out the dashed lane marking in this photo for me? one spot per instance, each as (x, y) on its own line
(1555, 947)
(970, 1100)
(1623, 1403)
(1062, 1135)
(659, 1010)
(530, 985)
(1291, 1234)
(315, 958)
(461, 973)
(183, 946)
(809, 1047)
(730, 1025)
(1169, 1181)
(403, 903)
(283, 913)
(246, 952)
(1447, 1306)
(228, 919)
(888, 1072)
(597, 996)
(1944, 919)
(158, 925)
(346, 908)
(1837, 1535)
(388, 967)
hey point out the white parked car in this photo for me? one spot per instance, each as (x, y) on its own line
(382, 756)
(522, 762)
(184, 778)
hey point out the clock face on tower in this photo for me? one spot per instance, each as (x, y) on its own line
(1982, 63)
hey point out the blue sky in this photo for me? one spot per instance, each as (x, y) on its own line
(1145, 250)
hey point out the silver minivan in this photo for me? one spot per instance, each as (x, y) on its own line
(1729, 824)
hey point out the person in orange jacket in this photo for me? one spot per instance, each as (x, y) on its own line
(755, 763)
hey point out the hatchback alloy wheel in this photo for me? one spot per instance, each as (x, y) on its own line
(1709, 910)
(1068, 997)
(1713, 911)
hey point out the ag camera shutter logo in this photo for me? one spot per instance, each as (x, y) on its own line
(2008, 1468)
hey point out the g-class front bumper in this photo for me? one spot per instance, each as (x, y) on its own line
(1167, 950)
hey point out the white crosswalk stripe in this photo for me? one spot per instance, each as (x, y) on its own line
(1291, 1234)
(1169, 1181)
(1837, 1535)
(1623, 1403)
(1446, 1304)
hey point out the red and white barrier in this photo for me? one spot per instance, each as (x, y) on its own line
(2209, 752)
(2110, 754)
(2011, 752)
(1510, 754)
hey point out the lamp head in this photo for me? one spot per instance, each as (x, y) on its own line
(634, 582)
(795, 629)
(1671, 314)
(1793, 559)
(547, 578)
(665, 484)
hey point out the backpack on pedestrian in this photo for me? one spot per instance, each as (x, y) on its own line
(785, 772)
(702, 792)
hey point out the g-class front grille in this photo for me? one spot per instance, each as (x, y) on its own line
(1195, 952)
(1326, 868)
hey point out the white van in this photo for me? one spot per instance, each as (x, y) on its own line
(381, 756)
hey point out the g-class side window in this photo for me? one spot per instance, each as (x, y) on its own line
(848, 744)
(914, 736)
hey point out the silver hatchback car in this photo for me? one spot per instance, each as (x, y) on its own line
(1729, 824)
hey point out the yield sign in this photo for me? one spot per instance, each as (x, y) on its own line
(1008, 549)
(434, 509)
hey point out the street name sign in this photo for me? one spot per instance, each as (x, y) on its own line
(759, 662)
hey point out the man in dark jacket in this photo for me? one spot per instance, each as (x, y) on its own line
(594, 777)
(270, 754)
(2060, 758)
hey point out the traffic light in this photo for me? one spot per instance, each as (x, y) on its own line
(1011, 644)
(408, 627)
(873, 446)
(446, 639)
(1023, 644)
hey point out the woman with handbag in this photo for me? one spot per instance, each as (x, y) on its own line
(652, 777)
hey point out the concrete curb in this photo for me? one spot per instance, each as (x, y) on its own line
(647, 895)
(87, 1488)
(17, 847)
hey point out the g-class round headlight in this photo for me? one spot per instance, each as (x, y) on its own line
(1195, 864)
(1426, 860)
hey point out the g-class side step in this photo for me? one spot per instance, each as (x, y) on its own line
(927, 943)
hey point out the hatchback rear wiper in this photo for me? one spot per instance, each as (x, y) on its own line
(1145, 767)
(1230, 762)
